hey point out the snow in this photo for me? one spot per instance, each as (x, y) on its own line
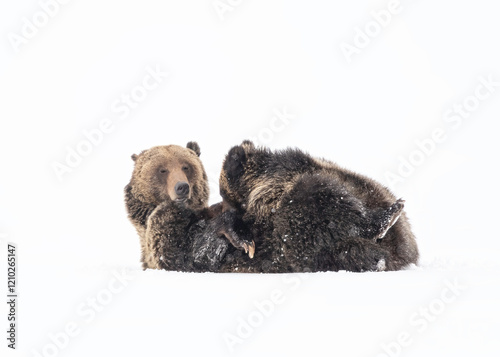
(357, 314)
(81, 289)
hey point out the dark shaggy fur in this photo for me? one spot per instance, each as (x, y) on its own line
(303, 214)
(166, 201)
(308, 214)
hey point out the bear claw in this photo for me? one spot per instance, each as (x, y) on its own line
(239, 243)
(250, 249)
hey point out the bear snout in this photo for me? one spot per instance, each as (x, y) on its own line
(181, 190)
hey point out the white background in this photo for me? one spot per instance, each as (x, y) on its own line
(228, 75)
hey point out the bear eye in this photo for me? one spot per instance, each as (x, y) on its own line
(163, 171)
(185, 168)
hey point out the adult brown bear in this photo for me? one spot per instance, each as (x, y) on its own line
(166, 196)
(308, 214)
(293, 222)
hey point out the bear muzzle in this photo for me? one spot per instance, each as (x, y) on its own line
(182, 191)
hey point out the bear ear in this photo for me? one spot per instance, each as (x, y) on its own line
(134, 157)
(234, 164)
(193, 145)
(248, 145)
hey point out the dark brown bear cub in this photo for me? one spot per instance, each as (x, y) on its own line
(166, 201)
(308, 214)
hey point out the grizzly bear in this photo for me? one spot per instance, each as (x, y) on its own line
(298, 213)
(167, 202)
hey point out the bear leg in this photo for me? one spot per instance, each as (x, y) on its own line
(167, 239)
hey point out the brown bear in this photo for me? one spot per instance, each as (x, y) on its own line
(166, 197)
(167, 202)
(309, 214)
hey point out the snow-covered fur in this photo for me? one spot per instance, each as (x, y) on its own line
(308, 214)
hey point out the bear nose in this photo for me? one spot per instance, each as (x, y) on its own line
(182, 189)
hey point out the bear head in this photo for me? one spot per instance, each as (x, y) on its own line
(233, 183)
(170, 172)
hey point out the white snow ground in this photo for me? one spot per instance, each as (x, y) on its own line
(442, 308)
(81, 290)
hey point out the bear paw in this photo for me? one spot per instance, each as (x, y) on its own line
(390, 217)
(239, 243)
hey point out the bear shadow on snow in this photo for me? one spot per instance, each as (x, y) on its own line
(287, 210)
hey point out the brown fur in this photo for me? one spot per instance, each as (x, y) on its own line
(315, 204)
(151, 191)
